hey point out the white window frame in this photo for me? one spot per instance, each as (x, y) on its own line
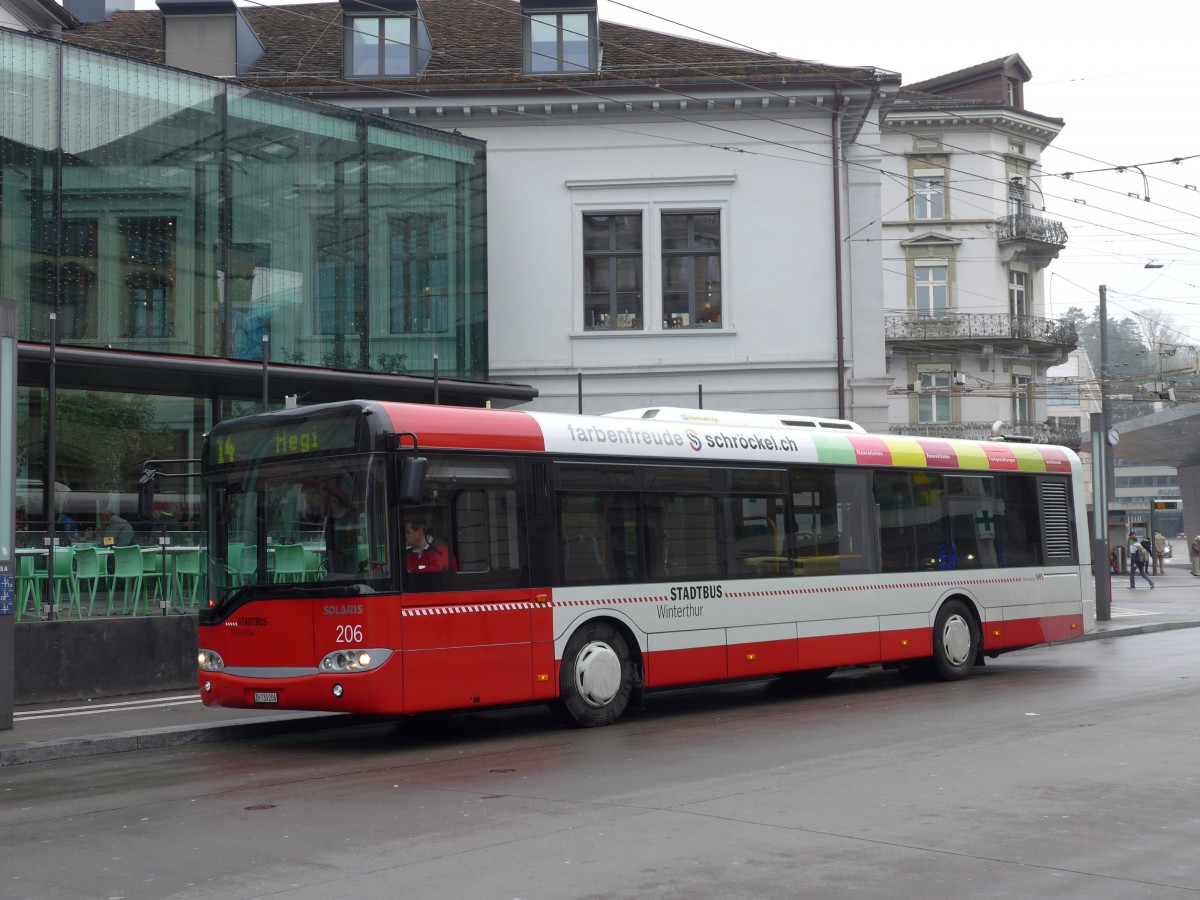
(1018, 291)
(929, 194)
(920, 287)
(933, 403)
(1022, 404)
(683, 194)
(1017, 194)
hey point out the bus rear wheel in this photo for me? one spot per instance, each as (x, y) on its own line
(955, 641)
(596, 678)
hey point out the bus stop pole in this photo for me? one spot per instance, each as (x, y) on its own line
(8, 512)
(1100, 549)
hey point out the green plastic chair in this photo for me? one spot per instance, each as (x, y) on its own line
(289, 563)
(63, 574)
(154, 579)
(29, 581)
(189, 575)
(89, 574)
(127, 571)
(247, 564)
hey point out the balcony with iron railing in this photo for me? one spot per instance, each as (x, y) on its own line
(1061, 433)
(1042, 238)
(1035, 333)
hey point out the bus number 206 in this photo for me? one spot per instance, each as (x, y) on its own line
(349, 634)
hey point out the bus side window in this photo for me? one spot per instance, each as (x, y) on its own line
(897, 534)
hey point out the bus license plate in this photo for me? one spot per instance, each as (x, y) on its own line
(266, 697)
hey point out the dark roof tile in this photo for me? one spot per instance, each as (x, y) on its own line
(476, 43)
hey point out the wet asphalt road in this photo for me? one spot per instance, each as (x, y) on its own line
(1064, 771)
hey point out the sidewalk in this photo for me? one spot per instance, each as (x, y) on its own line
(119, 724)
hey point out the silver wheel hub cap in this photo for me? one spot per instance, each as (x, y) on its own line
(956, 639)
(597, 674)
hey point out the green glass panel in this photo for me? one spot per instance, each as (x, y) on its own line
(295, 258)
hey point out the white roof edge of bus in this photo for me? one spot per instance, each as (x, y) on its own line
(727, 417)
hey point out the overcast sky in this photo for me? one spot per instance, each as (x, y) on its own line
(1117, 74)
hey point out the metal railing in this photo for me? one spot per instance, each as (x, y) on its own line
(1032, 228)
(1041, 432)
(976, 326)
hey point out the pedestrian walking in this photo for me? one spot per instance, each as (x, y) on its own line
(1194, 554)
(1138, 558)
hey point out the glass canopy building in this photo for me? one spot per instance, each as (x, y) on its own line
(158, 212)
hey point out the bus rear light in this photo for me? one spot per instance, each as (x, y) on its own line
(210, 660)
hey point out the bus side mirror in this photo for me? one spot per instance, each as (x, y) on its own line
(412, 479)
(147, 487)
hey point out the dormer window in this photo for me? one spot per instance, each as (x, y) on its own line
(384, 38)
(560, 37)
(380, 45)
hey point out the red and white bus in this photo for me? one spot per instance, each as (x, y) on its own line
(589, 559)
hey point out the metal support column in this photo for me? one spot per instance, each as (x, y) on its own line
(8, 512)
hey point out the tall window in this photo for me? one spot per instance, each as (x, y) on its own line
(931, 289)
(337, 276)
(1016, 196)
(73, 278)
(1021, 385)
(1018, 295)
(929, 194)
(380, 45)
(933, 403)
(691, 266)
(612, 272)
(418, 274)
(560, 42)
(147, 275)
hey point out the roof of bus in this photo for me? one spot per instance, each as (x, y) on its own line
(726, 417)
(493, 429)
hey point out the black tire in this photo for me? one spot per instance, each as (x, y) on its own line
(955, 642)
(596, 678)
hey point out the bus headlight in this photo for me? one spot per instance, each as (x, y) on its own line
(210, 660)
(355, 659)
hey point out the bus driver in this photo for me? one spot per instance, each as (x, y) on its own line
(424, 554)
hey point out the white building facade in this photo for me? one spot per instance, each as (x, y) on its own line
(635, 262)
(966, 248)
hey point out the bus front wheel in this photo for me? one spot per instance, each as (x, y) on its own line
(596, 678)
(955, 641)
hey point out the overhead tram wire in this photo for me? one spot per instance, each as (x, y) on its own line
(744, 46)
(825, 159)
(512, 9)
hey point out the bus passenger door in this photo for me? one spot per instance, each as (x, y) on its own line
(468, 630)
(468, 648)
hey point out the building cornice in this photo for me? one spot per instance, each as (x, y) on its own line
(958, 120)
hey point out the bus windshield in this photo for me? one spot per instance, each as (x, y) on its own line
(307, 521)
